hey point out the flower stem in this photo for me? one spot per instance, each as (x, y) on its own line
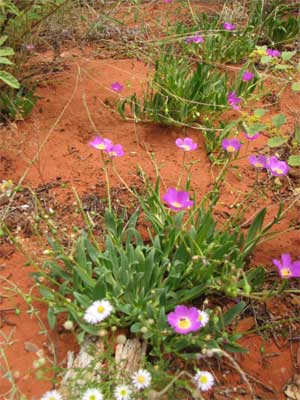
(105, 163)
(182, 171)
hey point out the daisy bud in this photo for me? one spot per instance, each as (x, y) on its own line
(102, 332)
(121, 339)
(68, 325)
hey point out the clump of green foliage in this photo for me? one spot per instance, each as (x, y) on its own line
(185, 258)
(182, 92)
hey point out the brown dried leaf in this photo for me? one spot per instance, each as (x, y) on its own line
(293, 389)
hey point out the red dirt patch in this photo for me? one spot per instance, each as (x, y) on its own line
(59, 129)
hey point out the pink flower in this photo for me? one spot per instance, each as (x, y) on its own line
(100, 143)
(247, 76)
(231, 145)
(115, 150)
(186, 144)
(233, 100)
(258, 161)
(228, 26)
(30, 47)
(277, 167)
(273, 53)
(184, 319)
(177, 200)
(194, 39)
(287, 268)
(117, 87)
(252, 137)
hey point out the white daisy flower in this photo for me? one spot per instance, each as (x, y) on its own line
(92, 394)
(98, 311)
(141, 379)
(122, 392)
(204, 380)
(52, 395)
(203, 317)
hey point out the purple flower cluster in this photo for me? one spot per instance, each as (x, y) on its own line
(194, 39)
(286, 267)
(113, 150)
(187, 319)
(275, 166)
(177, 200)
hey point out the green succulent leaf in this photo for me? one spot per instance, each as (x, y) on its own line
(10, 80)
(276, 141)
(294, 161)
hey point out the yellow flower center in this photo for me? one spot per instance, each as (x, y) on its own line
(286, 272)
(52, 398)
(140, 379)
(258, 165)
(278, 171)
(203, 379)
(101, 146)
(123, 392)
(100, 309)
(230, 149)
(92, 397)
(186, 147)
(184, 323)
(112, 153)
(176, 204)
(200, 317)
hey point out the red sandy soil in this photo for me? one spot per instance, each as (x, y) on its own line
(61, 131)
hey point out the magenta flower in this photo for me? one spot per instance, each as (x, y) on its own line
(233, 100)
(252, 137)
(168, 1)
(231, 145)
(273, 53)
(287, 268)
(258, 161)
(117, 87)
(177, 200)
(194, 39)
(100, 143)
(186, 144)
(184, 319)
(247, 76)
(228, 26)
(277, 167)
(115, 150)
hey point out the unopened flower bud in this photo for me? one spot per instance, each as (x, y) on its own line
(68, 325)
(102, 332)
(121, 339)
(47, 252)
(209, 353)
